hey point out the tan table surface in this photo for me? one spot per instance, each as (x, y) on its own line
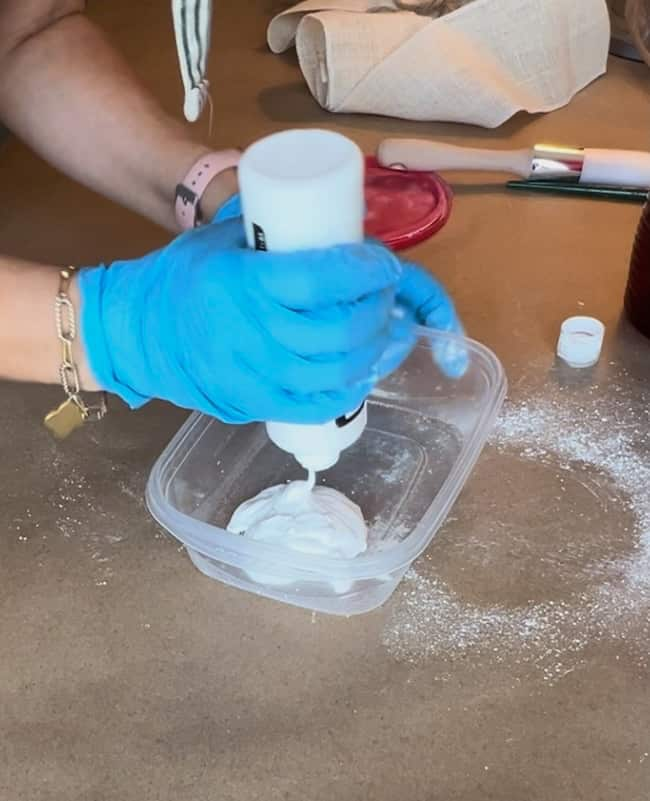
(126, 675)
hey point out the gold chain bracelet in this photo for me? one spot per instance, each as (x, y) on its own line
(74, 411)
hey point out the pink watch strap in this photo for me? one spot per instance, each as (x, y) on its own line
(190, 191)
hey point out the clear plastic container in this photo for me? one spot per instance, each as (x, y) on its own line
(425, 432)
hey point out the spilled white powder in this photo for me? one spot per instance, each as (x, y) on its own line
(608, 439)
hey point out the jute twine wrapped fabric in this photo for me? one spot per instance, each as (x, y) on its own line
(479, 64)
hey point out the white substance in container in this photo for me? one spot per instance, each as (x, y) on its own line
(318, 521)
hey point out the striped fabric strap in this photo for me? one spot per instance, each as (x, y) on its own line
(192, 25)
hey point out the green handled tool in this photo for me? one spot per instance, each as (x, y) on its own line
(623, 194)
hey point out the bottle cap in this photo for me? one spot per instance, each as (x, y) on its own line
(404, 208)
(580, 342)
(318, 447)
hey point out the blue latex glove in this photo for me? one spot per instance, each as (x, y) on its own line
(208, 324)
(229, 210)
(421, 300)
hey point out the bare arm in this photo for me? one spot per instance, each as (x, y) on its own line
(29, 349)
(69, 95)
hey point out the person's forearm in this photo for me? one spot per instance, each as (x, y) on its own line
(29, 347)
(69, 95)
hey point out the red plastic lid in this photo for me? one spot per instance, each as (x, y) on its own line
(403, 207)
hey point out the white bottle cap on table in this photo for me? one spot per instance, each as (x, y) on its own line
(581, 340)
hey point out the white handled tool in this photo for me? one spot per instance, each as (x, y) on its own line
(552, 162)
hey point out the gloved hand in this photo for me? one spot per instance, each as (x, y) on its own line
(208, 324)
(229, 210)
(421, 300)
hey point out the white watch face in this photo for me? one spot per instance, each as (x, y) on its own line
(192, 28)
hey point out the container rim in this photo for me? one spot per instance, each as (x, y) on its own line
(217, 543)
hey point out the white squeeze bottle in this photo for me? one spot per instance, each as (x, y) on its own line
(303, 189)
